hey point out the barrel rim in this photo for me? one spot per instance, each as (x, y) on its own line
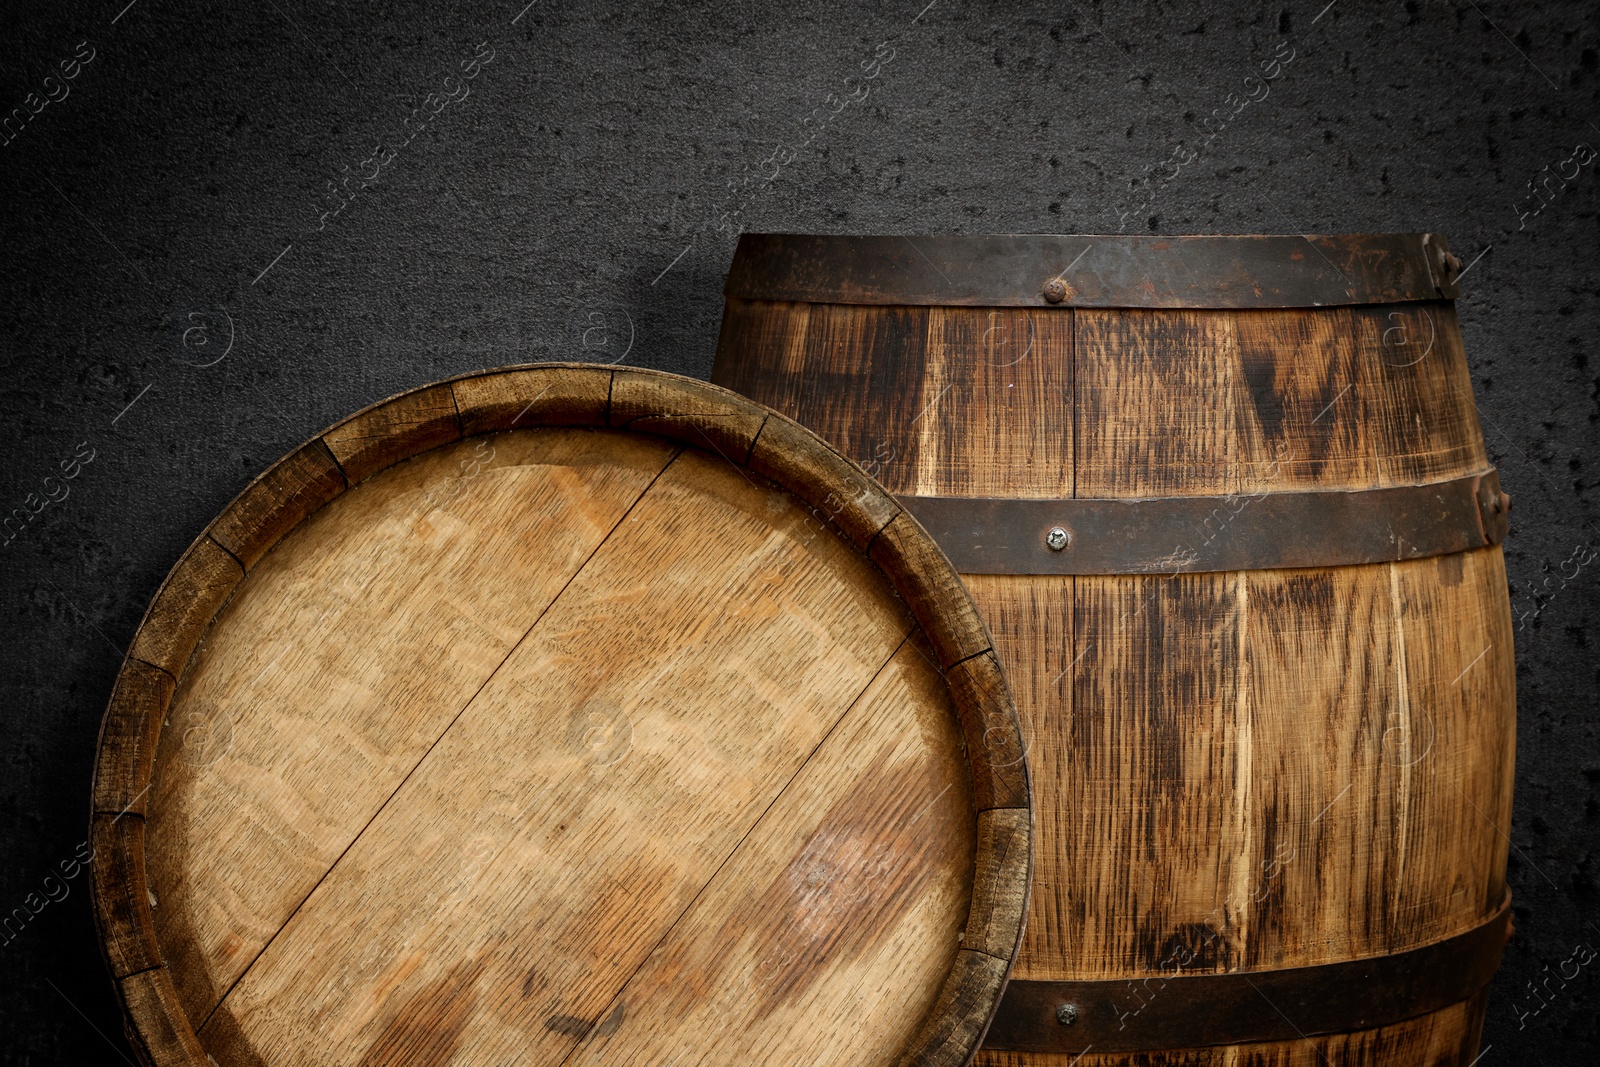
(1217, 271)
(631, 400)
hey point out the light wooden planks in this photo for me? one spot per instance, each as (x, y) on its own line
(615, 759)
(827, 935)
(172, 974)
(343, 657)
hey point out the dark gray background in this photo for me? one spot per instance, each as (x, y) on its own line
(535, 218)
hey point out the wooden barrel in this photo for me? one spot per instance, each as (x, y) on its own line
(1225, 505)
(623, 721)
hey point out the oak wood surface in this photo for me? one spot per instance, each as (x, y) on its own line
(858, 830)
(1242, 770)
(578, 802)
(350, 651)
(504, 746)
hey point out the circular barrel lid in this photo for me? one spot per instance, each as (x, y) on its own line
(561, 714)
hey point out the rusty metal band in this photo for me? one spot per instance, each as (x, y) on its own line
(1172, 535)
(1244, 1007)
(1046, 270)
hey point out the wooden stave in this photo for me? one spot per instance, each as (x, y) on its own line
(650, 402)
(769, 346)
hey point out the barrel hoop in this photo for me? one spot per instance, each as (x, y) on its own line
(1259, 531)
(1243, 1007)
(1050, 270)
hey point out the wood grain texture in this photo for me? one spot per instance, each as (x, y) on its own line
(758, 335)
(785, 453)
(1014, 366)
(126, 752)
(959, 1019)
(1031, 620)
(927, 583)
(835, 913)
(861, 351)
(1262, 769)
(1308, 837)
(673, 407)
(535, 396)
(126, 930)
(1419, 391)
(388, 432)
(555, 694)
(994, 924)
(166, 1036)
(1339, 398)
(184, 606)
(277, 502)
(347, 653)
(648, 742)
(1000, 765)
(981, 398)
(1021, 403)
(1176, 370)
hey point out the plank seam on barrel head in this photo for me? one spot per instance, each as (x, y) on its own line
(441, 736)
(210, 571)
(616, 1000)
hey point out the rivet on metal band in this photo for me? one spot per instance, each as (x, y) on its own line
(1173, 535)
(1097, 271)
(1176, 1010)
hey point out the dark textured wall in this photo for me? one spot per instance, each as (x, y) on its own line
(175, 305)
